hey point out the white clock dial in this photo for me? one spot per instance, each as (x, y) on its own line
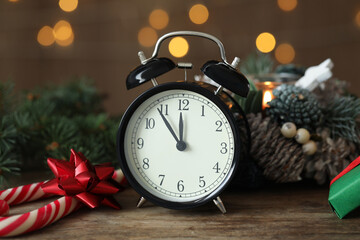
(179, 146)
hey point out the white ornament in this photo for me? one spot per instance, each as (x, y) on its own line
(309, 148)
(302, 136)
(288, 130)
(316, 75)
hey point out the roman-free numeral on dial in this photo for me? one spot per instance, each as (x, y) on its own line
(140, 143)
(180, 186)
(149, 123)
(146, 163)
(183, 104)
(223, 148)
(216, 167)
(202, 182)
(164, 109)
(162, 176)
(219, 124)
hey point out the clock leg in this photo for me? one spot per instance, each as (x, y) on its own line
(141, 202)
(220, 205)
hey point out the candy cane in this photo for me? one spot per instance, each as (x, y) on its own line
(4, 208)
(39, 218)
(26, 193)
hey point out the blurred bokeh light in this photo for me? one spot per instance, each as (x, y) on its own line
(265, 42)
(147, 37)
(63, 33)
(46, 36)
(199, 14)
(284, 53)
(178, 47)
(68, 5)
(287, 5)
(67, 41)
(62, 30)
(159, 19)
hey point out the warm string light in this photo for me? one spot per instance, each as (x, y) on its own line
(62, 30)
(178, 47)
(67, 41)
(284, 53)
(265, 42)
(198, 14)
(46, 36)
(159, 19)
(62, 34)
(68, 5)
(147, 37)
(287, 5)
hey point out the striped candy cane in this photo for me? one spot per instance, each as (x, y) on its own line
(26, 193)
(4, 208)
(39, 218)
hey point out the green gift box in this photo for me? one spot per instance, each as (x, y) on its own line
(344, 195)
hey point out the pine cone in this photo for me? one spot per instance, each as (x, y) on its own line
(295, 104)
(331, 158)
(281, 159)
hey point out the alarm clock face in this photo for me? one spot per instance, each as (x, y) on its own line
(178, 145)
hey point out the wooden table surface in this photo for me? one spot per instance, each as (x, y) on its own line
(294, 211)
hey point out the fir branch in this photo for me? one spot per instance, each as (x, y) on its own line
(6, 97)
(9, 164)
(8, 134)
(257, 63)
(340, 118)
(77, 97)
(49, 121)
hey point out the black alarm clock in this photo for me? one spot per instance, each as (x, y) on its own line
(179, 143)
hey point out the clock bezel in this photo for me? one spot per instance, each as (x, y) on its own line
(121, 135)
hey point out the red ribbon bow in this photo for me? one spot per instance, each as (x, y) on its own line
(92, 185)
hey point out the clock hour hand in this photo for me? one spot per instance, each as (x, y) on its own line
(181, 145)
(168, 125)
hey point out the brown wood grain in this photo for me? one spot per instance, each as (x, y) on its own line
(277, 212)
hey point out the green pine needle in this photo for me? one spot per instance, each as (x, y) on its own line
(341, 118)
(257, 63)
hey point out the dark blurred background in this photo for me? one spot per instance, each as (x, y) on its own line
(100, 39)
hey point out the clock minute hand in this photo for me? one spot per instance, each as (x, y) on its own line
(168, 125)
